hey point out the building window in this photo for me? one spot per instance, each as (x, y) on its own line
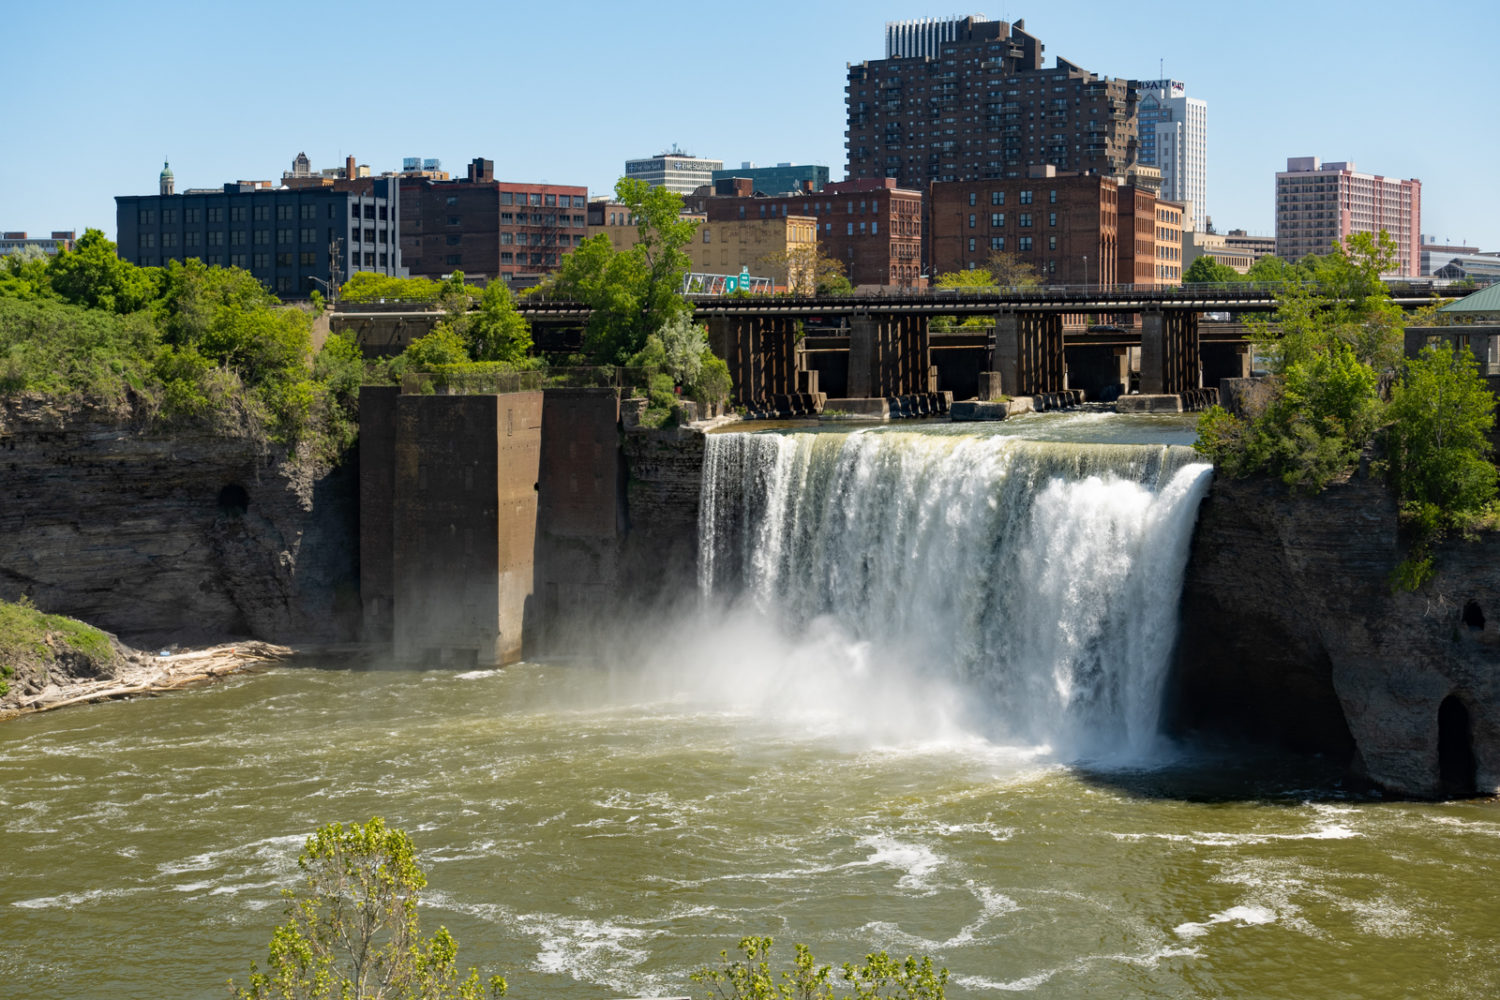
(284, 283)
(973, 197)
(147, 217)
(536, 200)
(997, 197)
(1025, 220)
(997, 242)
(550, 201)
(1024, 244)
(192, 215)
(237, 238)
(260, 260)
(506, 257)
(1052, 197)
(285, 259)
(369, 259)
(1052, 243)
(190, 239)
(262, 213)
(705, 235)
(453, 239)
(308, 258)
(874, 228)
(148, 240)
(215, 215)
(237, 213)
(169, 239)
(971, 220)
(215, 239)
(309, 235)
(169, 216)
(453, 220)
(971, 244)
(850, 230)
(505, 239)
(383, 260)
(1026, 197)
(236, 260)
(507, 198)
(997, 219)
(309, 212)
(1051, 218)
(579, 201)
(262, 236)
(451, 200)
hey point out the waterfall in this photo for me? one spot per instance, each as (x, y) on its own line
(1038, 581)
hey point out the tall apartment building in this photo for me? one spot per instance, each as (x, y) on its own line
(1318, 204)
(1173, 137)
(869, 224)
(292, 240)
(784, 178)
(969, 99)
(491, 228)
(674, 170)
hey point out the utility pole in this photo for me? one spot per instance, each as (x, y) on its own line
(335, 247)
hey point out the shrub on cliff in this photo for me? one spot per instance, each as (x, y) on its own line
(878, 977)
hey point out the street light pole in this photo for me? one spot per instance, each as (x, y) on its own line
(1085, 270)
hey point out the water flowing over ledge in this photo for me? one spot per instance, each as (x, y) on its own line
(1030, 588)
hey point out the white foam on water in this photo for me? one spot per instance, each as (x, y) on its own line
(1240, 916)
(916, 861)
(70, 900)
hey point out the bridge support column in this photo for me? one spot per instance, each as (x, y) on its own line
(1169, 352)
(1221, 361)
(1102, 371)
(1028, 353)
(864, 331)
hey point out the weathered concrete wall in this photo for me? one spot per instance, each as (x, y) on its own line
(186, 536)
(580, 518)
(377, 503)
(464, 526)
(1292, 632)
(659, 557)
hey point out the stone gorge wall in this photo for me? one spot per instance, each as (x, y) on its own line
(1291, 632)
(181, 537)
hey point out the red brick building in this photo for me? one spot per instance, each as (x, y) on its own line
(1066, 226)
(870, 224)
(482, 226)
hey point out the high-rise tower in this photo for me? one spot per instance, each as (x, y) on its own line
(1174, 138)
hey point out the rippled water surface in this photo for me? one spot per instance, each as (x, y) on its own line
(593, 836)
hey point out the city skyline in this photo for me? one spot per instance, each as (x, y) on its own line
(102, 93)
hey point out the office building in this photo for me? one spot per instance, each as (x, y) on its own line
(969, 99)
(1173, 136)
(674, 170)
(1319, 204)
(870, 225)
(292, 240)
(489, 228)
(784, 178)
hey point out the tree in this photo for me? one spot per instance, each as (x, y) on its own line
(1206, 270)
(1438, 442)
(93, 275)
(352, 932)
(877, 978)
(809, 271)
(496, 332)
(1009, 269)
(631, 293)
(976, 277)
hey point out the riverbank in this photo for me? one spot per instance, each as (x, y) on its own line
(134, 672)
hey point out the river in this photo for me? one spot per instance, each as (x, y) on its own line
(596, 830)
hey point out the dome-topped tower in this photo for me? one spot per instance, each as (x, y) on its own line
(166, 178)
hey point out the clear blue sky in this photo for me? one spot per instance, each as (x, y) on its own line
(99, 92)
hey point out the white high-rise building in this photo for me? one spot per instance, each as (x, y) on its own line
(674, 170)
(1173, 137)
(924, 36)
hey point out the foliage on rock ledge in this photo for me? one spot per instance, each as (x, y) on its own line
(1330, 343)
(180, 345)
(31, 640)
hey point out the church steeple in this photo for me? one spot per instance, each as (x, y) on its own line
(166, 178)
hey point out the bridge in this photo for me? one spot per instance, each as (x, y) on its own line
(791, 354)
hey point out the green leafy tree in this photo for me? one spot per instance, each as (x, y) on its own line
(878, 977)
(443, 346)
(1206, 270)
(496, 331)
(973, 278)
(352, 932)
(1009, 269)
(631, 293)
(1438, 442)
(93, 275)
(368, 286)
(1271, 269)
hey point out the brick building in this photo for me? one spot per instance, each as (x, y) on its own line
(969, 98)
(870, 225)
(1318, 204)
(60, 240)
(1064, 225)
(489, 228)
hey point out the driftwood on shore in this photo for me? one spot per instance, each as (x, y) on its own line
(158, 674)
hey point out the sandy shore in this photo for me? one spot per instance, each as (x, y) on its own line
(145, 674)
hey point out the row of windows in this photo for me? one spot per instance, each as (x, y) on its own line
(539, 200)
(538, 219)
(244, 213)
(539, 239)
(263, 261)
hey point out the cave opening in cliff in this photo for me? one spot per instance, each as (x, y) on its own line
(1456, 765)
(233, 500)
(1473, 615)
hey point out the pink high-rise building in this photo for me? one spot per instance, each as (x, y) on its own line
(1319, 203)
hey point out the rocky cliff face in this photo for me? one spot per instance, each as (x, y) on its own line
(182, 537)
(1291, 631)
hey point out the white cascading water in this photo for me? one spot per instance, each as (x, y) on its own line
(1032, 586)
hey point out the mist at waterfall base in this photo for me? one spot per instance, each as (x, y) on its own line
(933, 587)
(847, 752)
